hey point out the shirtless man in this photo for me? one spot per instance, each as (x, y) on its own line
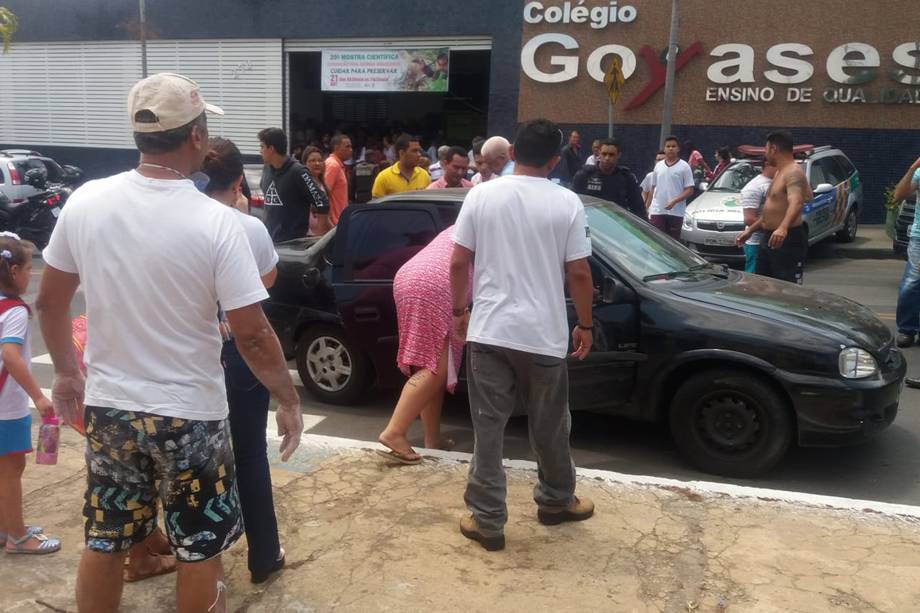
(785, 242)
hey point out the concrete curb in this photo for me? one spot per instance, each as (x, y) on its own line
(708, 488)
(867, 254)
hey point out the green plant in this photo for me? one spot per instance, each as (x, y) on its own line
(890, 203)
(8, 26)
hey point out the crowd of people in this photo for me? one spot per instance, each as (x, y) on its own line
(180, 362)
(661, 197)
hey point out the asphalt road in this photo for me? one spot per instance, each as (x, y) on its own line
(886, 468)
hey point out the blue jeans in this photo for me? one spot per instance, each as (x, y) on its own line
(908, 315)
(750, 258)
(248, 400)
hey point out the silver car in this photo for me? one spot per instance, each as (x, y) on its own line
(15, 163)
(715, 218)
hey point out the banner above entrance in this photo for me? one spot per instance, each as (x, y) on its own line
(385, 70)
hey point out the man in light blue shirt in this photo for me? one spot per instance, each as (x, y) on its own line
(908, 314)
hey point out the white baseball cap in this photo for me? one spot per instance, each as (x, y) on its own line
(173, 100)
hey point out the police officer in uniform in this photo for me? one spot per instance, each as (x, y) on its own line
(610, 181)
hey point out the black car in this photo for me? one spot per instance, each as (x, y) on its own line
(740, 365)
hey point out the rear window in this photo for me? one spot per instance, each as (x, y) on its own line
(380, 242)
(23, 166)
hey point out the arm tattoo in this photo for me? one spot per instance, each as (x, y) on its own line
(795, 185)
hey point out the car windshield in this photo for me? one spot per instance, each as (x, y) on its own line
(637, 248)
(736, 176)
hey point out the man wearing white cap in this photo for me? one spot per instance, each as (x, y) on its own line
(155, 257)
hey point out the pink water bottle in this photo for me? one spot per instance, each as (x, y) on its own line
(49, 435)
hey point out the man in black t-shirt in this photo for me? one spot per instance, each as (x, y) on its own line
(610, 181)
(290, 191)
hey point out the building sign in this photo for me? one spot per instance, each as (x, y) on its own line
(853, 68)
(385, 70)
(827, 63)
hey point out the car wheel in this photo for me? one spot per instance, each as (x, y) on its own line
(847, 234)
(330, 367)
(730, 423)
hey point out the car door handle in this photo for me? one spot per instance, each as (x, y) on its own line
(367, 314)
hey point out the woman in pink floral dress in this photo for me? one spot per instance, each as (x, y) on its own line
(429, 354)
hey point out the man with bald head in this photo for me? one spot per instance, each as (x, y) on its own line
(496, 152)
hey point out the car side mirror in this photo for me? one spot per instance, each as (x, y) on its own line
(311, 278)
(616, 292)
(704, 186)
(824, 188)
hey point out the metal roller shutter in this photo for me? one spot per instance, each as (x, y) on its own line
(74, 94)
(67, 93)
(242, 76)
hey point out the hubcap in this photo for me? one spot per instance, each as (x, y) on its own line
(851, 224)
(729, 423)
(329, 364)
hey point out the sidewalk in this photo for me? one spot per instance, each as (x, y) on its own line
(362, 535)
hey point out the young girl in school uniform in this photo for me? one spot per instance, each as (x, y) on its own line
(17, 385)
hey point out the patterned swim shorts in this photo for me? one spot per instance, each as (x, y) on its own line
(134, 458)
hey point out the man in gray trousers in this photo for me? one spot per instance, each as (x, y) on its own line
(529, 237)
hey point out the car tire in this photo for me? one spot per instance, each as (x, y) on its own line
(331, 368)
(847, 234)
(732, 423)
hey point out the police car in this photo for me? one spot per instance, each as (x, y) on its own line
(715, 218)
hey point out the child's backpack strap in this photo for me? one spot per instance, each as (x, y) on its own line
(5, 305)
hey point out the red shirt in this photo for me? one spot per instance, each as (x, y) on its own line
(336, 187)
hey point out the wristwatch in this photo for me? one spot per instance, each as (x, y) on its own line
(583, 327)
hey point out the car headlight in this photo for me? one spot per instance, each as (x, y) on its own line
(688, 221)
(857, 363)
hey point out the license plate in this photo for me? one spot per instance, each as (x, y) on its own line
(56, 211)
(719, 241)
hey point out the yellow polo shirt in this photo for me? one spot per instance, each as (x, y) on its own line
(390, 181)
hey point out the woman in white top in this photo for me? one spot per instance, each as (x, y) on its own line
(246, 396)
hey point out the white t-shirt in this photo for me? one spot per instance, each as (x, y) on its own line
(523, 230)
(260, 241)
(669, 182)
(14, 328)
(155, 257)
(648, 182)
(753, 196)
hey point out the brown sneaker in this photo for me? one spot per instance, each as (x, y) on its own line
(470, 530)
(579, 510)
